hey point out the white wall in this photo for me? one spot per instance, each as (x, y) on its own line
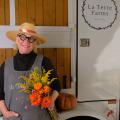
(98, 64)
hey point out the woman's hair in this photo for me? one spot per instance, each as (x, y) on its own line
(15, 47)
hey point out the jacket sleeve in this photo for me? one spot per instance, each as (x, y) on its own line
(47, 65)
(2, 95)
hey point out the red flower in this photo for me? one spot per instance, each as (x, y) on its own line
(35, 99)
(46, 102)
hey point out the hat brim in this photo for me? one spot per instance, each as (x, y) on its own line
(13, 34)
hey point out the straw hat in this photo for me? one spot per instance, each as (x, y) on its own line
(26, 28)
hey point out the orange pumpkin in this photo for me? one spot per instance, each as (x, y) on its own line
(66, 101)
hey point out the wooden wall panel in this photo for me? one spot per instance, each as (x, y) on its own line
(59, 12)
(64, 66)
(42, 12)
(49, 12)
(67, 67)
(2, 12)
(65, 13)
(39, 12)
(51, 53)
(60, 57)
(2, 55)
(7, 12)
(60, 67)
(21, 11)
(17, 11)
(31, 11)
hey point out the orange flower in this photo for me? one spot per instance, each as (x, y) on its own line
(37, 86)
(41, 91)
(46, 102)
(46, 89)
(35, 99)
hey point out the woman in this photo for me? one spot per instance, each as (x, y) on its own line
(14, 104)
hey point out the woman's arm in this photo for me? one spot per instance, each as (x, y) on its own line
(3, 109)
(47, 65)
(6, 113)
(2, 96)
(55, 95)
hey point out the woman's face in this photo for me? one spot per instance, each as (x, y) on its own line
(26, 43)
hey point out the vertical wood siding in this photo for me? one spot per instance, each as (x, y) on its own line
(20, 11)
(39, 12)
(4, 12)
(42, 12)
(60, 57)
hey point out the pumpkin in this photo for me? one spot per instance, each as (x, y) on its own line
(66, 101)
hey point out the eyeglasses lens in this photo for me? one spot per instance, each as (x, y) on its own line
(23, 37)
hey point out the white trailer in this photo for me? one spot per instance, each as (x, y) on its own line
(97, 61)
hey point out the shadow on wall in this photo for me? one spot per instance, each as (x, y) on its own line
(108, 67)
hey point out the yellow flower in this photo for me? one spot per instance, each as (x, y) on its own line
(45, 77)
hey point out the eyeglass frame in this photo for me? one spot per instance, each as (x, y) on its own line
(26, 38)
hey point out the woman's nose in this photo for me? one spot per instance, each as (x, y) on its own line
(26, 41)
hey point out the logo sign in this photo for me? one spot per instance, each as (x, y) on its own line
(99, 14)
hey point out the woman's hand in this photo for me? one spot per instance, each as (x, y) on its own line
(54, 97)
(9, 114)
(52, 105)
(6, 113)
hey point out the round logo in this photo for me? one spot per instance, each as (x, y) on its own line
(99, 14)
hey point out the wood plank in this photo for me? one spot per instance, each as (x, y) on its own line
(59, 12)
(64, 66)
(7, 12)
(22, 11)
(2, 12)
(17, 12)
(60, 66)
(67, 66)
(51, 54)
(2, 55)
(39, 12)
(31, 11)
(65, 11)
(42, 12)
(49, 12)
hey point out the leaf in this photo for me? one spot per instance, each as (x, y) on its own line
(49, 82)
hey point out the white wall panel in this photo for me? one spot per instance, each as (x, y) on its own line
(99, 63)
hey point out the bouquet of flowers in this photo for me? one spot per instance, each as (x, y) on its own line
(37, 86)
